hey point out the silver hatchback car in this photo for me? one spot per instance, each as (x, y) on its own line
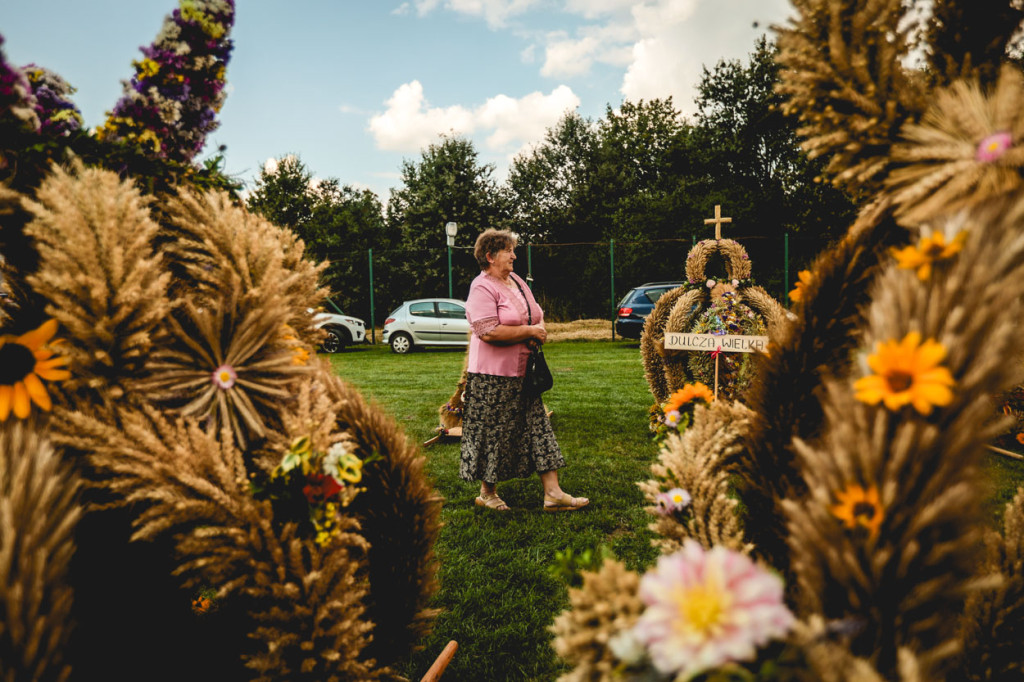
(426, 322)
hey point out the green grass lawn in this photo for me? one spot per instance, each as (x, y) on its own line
(497, 593)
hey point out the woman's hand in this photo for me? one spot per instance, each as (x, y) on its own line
(539, 334)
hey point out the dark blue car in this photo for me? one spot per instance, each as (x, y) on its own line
(636, 305)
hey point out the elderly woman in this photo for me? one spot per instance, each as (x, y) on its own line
(506, 433)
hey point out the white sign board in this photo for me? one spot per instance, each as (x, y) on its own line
(729, 343)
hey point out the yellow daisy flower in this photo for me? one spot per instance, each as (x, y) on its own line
(929, 250)
(797, 294)
(907, 372)
(24, 363)
(859, 507)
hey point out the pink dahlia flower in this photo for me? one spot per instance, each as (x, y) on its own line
(993, 147)
(706, 608)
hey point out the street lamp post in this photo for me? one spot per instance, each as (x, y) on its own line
(450, 229)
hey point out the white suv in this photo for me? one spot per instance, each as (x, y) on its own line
(342, 330)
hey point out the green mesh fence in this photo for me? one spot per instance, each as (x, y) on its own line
(571, 281)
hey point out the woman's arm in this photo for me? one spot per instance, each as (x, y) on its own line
(505, 335)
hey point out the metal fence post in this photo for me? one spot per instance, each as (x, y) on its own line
(373, 326)
(529, 266)
(449, 272)
(611, 262)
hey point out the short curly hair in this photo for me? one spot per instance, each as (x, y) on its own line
(490, 242)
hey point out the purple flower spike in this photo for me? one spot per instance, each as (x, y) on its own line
(171, 103)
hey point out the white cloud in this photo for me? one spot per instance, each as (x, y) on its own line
(592, 9)
(409, 123)
(495, 12)
(657, 72)
(515, 121)
(662, 18)
(506, 123)
(662, 45)
(422, 6)
(565, 57)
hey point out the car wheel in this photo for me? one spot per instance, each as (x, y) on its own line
(401, 343)
(334, 343)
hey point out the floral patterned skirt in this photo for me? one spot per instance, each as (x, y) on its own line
(505, 434)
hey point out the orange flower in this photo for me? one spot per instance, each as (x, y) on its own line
(928, 251)
(24, 362)
(797, 294)
(1020, 437)
(300, 355)
(907, 372)
(689, 392)
(859, 507)
(201, 604)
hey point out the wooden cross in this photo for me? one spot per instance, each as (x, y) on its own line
(717, 220)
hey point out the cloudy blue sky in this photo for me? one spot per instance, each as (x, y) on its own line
(356, 86)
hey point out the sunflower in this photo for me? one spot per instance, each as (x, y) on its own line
(966, 150)
(907, 372)
(929, 250)
(797, 294)
(24, 363)
(859, 507)
(688, 393)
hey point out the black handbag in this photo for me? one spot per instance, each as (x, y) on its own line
(538, 376)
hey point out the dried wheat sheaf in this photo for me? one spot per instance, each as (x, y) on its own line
(994, 618)
(100, 276)
(905, 582)
(842, 75)
(38, 514)
(604, 606)
(696, 462)
(304, 601)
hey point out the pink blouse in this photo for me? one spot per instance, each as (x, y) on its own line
(490, 303)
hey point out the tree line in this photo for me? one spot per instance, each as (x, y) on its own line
(642, 176)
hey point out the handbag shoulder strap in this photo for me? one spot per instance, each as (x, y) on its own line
(529, 316)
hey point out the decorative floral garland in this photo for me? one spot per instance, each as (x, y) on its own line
(312, 487)
(451, 409)
(735, 370)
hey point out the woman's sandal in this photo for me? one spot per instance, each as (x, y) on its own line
(492, 502)
(564, 502)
